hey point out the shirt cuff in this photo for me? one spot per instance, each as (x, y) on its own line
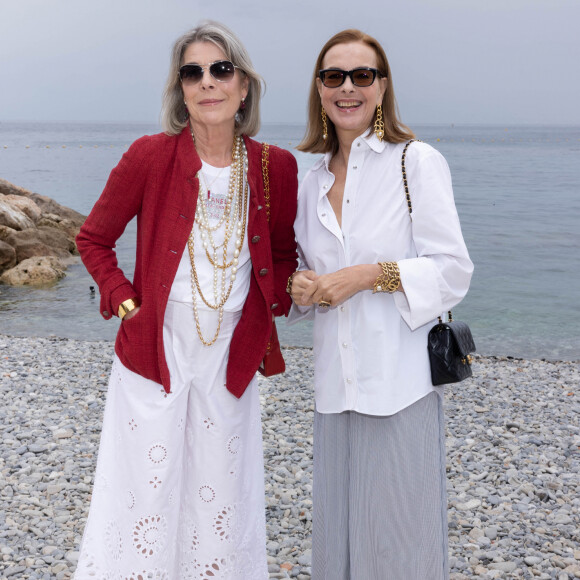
(420, 302)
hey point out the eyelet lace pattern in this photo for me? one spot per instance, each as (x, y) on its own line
(177, 496)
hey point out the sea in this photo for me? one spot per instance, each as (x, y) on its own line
(517, 191)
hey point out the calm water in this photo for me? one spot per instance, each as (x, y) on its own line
(517, 191)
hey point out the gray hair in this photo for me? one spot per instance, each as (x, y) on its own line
(174, 116)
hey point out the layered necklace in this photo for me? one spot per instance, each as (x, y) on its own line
(223, 256)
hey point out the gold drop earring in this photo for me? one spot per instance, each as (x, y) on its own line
(324, 126)
(379, 125)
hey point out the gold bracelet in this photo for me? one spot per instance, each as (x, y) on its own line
(390, 279)
(126, 306)
(289, 283)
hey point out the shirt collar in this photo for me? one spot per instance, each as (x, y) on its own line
(369, 139)
(372, 141)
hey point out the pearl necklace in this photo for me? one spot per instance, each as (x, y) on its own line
(233, 219)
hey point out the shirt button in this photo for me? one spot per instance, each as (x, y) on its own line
(345, 345)
(325, 186)
(342, 308)
(255, 239)
(355, 167)
(263, 271)
(358, 144)
(349, 381)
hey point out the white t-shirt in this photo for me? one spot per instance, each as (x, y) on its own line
(217, 180)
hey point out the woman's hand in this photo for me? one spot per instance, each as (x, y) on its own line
(339, 286)
(131, 313)
(301, 282)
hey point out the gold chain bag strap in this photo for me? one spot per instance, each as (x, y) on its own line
(450, 343)
(273, 362)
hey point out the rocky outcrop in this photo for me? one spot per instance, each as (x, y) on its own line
(34, 271)
(37, 236)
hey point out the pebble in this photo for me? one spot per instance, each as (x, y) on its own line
(513, 462)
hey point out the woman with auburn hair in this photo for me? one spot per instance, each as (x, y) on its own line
(375, 272)
(179, 486)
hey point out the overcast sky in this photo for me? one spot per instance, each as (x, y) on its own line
(453, 61)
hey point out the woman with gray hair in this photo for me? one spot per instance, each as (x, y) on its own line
(179, 486)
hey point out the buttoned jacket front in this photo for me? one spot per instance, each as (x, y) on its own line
(156, 182)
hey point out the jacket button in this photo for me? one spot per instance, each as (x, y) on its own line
(255, 239)
(263, 271)
(259, 207)
(105, 313)
(274, 306)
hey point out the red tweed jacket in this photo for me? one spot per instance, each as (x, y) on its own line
(156, 181)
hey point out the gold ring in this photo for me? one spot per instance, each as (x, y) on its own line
(324, 304)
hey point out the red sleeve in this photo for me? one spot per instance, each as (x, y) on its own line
(119, 203)
(283, 203)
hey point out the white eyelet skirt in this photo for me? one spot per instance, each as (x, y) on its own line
(179, 485)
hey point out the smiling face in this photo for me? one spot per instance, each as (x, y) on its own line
(349, 107)
(211, 103)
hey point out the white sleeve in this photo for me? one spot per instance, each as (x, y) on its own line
(438, 278)
(298, 313)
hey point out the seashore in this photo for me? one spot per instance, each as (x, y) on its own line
(513, 462)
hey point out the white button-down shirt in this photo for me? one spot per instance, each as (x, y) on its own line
(370, 353)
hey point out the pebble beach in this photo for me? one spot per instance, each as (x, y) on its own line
(513, 462)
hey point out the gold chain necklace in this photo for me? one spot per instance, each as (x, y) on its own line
(235, 207)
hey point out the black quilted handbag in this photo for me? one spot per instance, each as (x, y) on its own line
(450, 345)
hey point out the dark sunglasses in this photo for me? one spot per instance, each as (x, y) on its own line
(362, 76)
(222, 71)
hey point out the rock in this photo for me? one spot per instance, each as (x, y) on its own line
(5, 231)
(491, 532)
(469, 505)
(12, 217)
(7, 188)
(507, 567)
(41, 242)
(49, 206)
(573, 570)
(25, 205)
(476, 533)
(63, 433)
(72, 556)
(51, 220)
(562, 518)
(34, 271)
(7, 256)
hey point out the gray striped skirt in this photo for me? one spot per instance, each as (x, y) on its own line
(380, 503)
